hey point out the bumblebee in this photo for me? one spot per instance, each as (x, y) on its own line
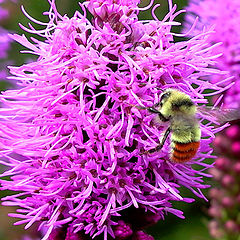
(178, 109)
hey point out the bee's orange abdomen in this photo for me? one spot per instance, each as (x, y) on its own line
(183, 152)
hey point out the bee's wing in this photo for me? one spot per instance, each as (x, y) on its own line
(218, 115)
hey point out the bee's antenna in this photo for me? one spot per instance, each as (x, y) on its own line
(138, 106)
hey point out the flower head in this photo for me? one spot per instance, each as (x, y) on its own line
(72, 136)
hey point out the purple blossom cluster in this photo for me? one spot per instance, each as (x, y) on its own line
(224, 15)
(225, 199)
(71, 136)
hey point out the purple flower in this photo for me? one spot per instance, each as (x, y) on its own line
(3, 12)
(225, 197)
(224, 15)
(71, 136)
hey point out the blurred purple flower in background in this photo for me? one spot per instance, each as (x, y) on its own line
(225, 203)
(71, 138)
(3, 12)
(226, 197)
(224, 15)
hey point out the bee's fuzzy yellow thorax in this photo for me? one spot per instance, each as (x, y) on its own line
(177, 102)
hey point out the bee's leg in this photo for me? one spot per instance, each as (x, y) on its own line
(157, 104)
(154, 110)
(159, 147)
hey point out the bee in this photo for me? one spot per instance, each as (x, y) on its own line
(178, 109)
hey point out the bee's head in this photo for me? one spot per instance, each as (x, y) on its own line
(165, 96)
(173, 101)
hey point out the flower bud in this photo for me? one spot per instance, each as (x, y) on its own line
(238, 199)
(227, 202)
(222, 163)
(215, 211)
(220, 142)
(236, 148)
(228, 180)
(214, 193)
(231, 226)
(122, 230)
(214, 229)
(237, 167)
(233, 132)
(215, 173)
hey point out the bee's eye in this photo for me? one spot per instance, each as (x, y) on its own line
(164, 96)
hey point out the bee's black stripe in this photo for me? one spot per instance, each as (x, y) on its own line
(181, 143)
(185, 102)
